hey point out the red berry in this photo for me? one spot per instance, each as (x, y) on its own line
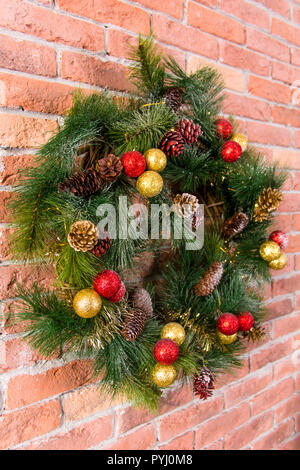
(246, 321)
(231, 151)
(228, 324)
(166, 351)
(119, 294)
(134, 163)
(224, 128)
(280, 238)
(107, 283)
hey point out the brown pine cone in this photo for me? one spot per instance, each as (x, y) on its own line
(173, 98)
(134, 324)
(83, 184)
(235, 225)
(189, 130)
(101, 247)
(210, 280)
(83, 235)
(141, 300)
(172, 144)
(110, 167)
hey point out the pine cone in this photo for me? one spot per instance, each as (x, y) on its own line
(210, 280)
(83, 235)
(134, 324)
(204, 384)
(235, 225)
(82, 184)
(189, 130)
(141, 300)
(256, 333)
(172, 144)
(173, 98)
(267, 202)
(110, 167)
(185, 199)
(101, 247)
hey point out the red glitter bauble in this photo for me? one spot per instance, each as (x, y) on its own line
(231, 151)
(280, 238)
(224, 128)
(107, 283)
(228, 324)
(166, 351)
(246, 321)
(119, 294)
(134, 163)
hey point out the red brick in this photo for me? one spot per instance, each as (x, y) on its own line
(285, 326)
(297, 420)
(12, 165)
(190, 39)
(296, 221)
(287, 285)
(141, 439)
(290, 203)
(221, 425)
(283, 221)
(184, 442)
(275, 437)
(118, 43)
(79, 438)
(283, 368)
(6, 198)
(279, 308)
(271, 397)
(25, 389)
(26, 56)
(286, 31)
(292, 444)
(288, 408)
(171, 8)
(297, 263)
(286, 116)
(246, 12)
(5, 243)
(266, 133)
(239, 392)
(270, 354)
(294, 243)
(175, 398)
(182, 420)
(264, 43)
(296, 185)
(244, 59)
(129, 418)
(111, 12)
(24, 275)
(20, 131)
(242, 436)
(15, 353)
(28, 423)
(247, 107)
(268, 90)
(215, 23)
(287, 158)
(285, 73)
(295, 56)
(218, 445)
(232, 376)
(279, 6)
(296, 15)
(297, 139)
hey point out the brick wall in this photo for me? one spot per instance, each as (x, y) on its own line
(48, 48)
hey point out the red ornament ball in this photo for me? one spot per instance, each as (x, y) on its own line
(228, 324)
(246, 321)
(107, 283)
(134, 163)
(280, 238)
(166, 351)
(231, 151)
(224, 128)
(119, 294)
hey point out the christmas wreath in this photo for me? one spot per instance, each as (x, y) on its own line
(167, 146)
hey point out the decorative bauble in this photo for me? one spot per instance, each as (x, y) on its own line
(166, 351)
(156, 160)
(119, 294)
(246, 321)
(172, 144)
(149, 184)
(269, 251)
(231, 151)
(173, 331)
(228, 324)
(280, 238)
(224, 128)
(107, 283)
(226, 339)
(134, 163)
(82, 235)
(278, 263)
(240, 139)
(87, 303)
(163, 376)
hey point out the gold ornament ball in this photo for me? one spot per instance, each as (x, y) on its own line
(173, 331)
(87, 303)
(242, 140)
(156, 159)
(269, 251)
(163, 376)
(278, 263)
(225, 339)
(149, 184)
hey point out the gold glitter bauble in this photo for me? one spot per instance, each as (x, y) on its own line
(149, 184)
(156, 159)
(163, 376)
(173, 331)
(225, 339)
(87, 303)
(269, 251)
(278, 263)
(241, 139)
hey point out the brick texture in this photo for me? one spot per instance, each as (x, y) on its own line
(50, 48)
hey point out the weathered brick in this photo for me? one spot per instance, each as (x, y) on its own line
(15, 353)
(290, 203)
(295, 56)
(247, 12)
(269, 90)
(129, 418)
(271, 397)
(244, 59)
(294, 243)
(21, 131)
(286, 31)
(247, 107)
(282, 7)
(285, 73)
(24, 275)
(239, 392)
(296, 181)
(247, 433)
(264, 43)
(288, 158)
(279, 308)
(296, 222)
(270, 354)
(184, 442)
(283, 368)
(292, 444)
(275, 437)
(171, 8)
(265, 133)
(12, 165)
(141, 439)
(286, 116)
(288, 408)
